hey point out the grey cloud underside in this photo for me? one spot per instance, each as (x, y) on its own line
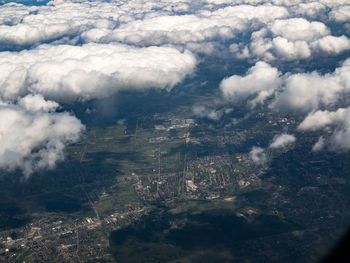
(79, 50)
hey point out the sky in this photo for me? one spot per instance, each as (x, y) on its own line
(63, 52)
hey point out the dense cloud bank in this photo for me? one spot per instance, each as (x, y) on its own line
(65, 72)
(291, 39)
(80, 50)
(285, 30)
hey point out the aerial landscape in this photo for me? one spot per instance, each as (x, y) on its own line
(174, 130)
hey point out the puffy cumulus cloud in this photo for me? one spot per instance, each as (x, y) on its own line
(153, 22)
(65, 72)
(334, 3)
(302, 92)
(338, 121)
(7, 12)
(32, 138)
(340, 14)
(63, 20)
(308, 91)
(136, 22)
(223, 23)
(204, 112)
(37, 103)
(288, 3)
(298, 29)
(282, 140)
(291, 39)
(321, 119)
(261, 81)
(318, 146)
(331, 44)
(86, 55)
(258, 155)
(51, 22)
(311, 10)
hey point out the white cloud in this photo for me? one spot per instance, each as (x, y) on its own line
(31, 138)
(91, 52)
(321, 119)
(37, 103)
(90, 71)
(334, 3)
(309, 9)
(157, 22)
(338, 121)
(291, 39)
(289, 3)
(302, 92)
(204, 112)
(305, 92)
(282, 141)
(23, 25)
(261, 80)
(331, 45)
(223, 23)
(289, 50)
(258, 155)
(295, 29)
(136, 22)
(8, 10)
(318, 146)
(340, 14)
(308, 91)
(47, 23)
